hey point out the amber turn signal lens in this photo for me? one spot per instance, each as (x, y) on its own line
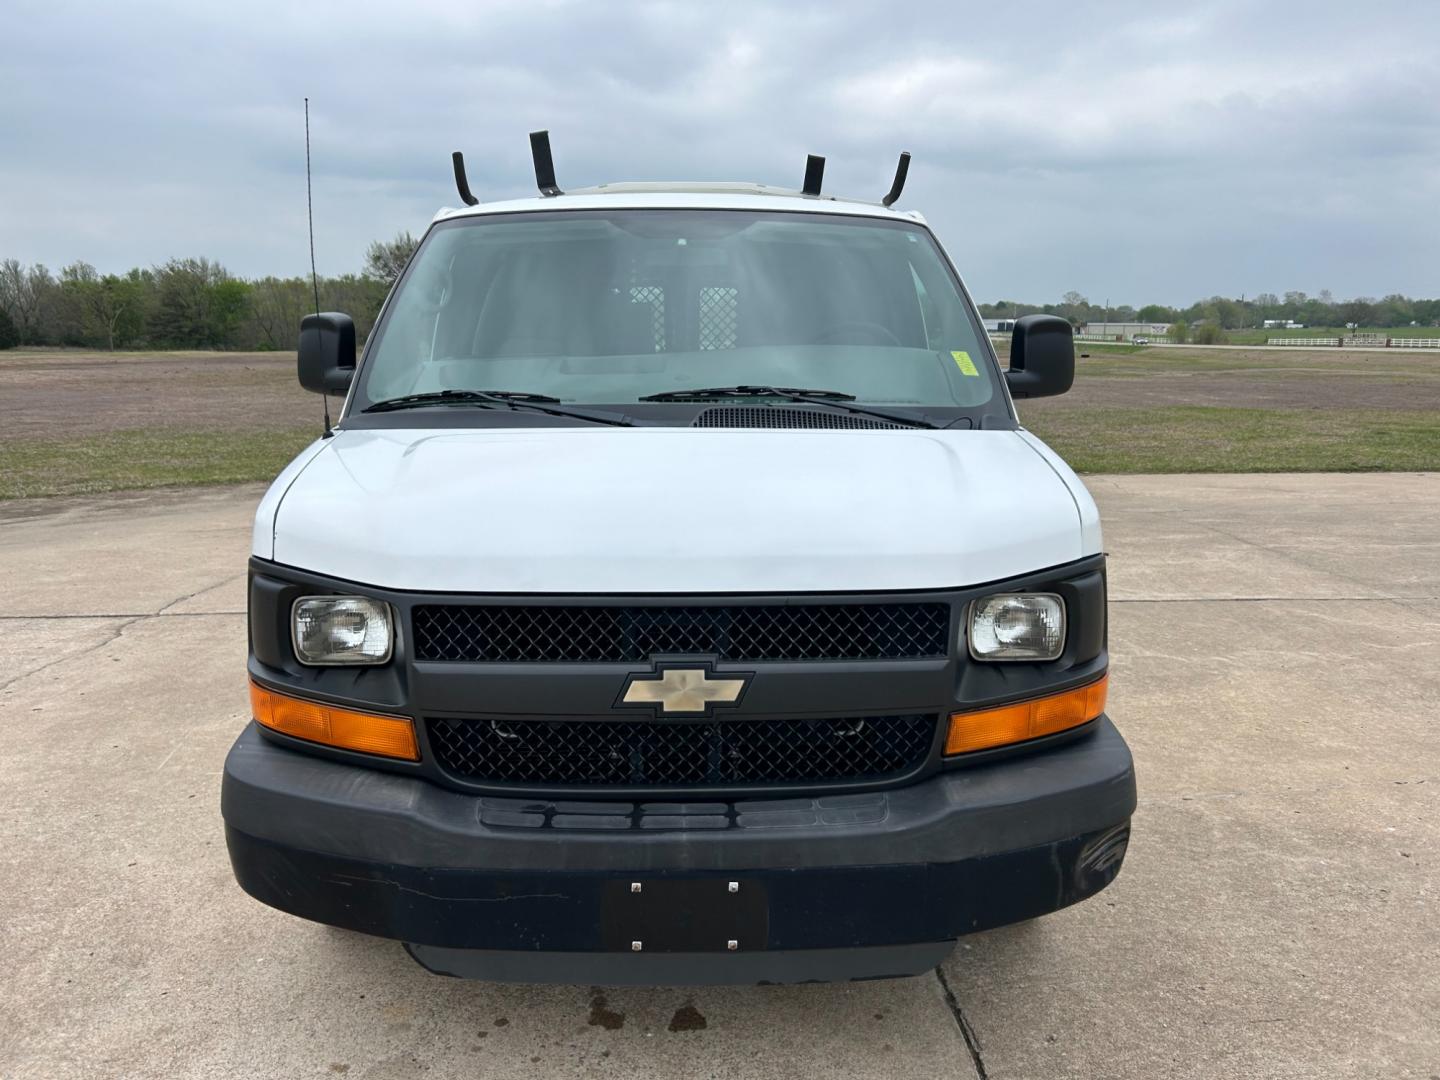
(330, 725)
(1026, 719)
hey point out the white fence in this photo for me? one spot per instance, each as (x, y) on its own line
(1359, 341)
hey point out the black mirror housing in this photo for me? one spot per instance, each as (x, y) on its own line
(326, 361)
(1042, 357)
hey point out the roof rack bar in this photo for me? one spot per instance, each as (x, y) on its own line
(544, 163)
(462, 184)
(814, 174)
(902, 170)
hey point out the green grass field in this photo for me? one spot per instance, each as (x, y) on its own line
(1199, 438)
(1226, 410)
(1169, 361)
(77, 424)
(145, 458)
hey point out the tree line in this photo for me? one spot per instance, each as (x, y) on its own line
(197, 304)
(1223, 313)
(190, 303)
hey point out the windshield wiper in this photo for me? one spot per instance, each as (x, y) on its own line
(746, 391)
(836, 399)
(510, 399)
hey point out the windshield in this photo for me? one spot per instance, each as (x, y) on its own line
(616, 306)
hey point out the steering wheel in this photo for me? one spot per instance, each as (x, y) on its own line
(881, 334)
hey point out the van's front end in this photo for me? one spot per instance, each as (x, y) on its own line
(678, 600)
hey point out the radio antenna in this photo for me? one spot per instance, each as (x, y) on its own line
(314, 277)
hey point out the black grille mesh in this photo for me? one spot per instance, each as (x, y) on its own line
(660, 753)
(766, 416)
(621, 634)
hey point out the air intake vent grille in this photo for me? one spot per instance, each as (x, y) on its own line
(626, 634)
(763, 416)
(658, 753)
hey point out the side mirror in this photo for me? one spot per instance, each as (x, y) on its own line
(326, 361)
(1042, 357)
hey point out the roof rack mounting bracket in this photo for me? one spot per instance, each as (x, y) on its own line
(814, 174)
(461, 184)
(544, 164)
(902, 170)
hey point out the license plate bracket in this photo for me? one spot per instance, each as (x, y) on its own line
(684, 915)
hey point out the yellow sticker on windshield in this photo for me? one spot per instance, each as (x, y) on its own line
(964, 363)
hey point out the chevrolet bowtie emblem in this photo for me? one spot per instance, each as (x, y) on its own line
(680, 690)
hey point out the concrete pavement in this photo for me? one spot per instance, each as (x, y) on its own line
(1275, 669)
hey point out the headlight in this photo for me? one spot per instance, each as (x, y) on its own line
(341, 630)
(1017, 626)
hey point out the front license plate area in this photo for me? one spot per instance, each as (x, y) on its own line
(684, 915)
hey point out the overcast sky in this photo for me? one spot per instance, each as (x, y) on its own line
(1110, 148)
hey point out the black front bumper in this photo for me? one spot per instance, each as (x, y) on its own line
(862, 885)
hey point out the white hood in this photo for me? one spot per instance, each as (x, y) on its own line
(637, 510)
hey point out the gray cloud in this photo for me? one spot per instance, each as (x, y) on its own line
(1111, 148)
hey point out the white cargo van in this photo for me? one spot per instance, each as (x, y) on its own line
(678, 599)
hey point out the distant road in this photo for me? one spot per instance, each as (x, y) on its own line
(1004, 339)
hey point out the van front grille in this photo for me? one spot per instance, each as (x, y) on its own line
(681, 754)
(539, 633)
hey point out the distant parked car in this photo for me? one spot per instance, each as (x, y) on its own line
(1140, 341)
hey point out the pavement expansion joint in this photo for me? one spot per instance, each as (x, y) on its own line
(119, 631)
(203, 589)
(1266, 599)
(133, 616)
(972, 1041)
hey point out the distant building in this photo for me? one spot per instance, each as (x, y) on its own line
(1283, 324)
(1125, 330)
(998, 326)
